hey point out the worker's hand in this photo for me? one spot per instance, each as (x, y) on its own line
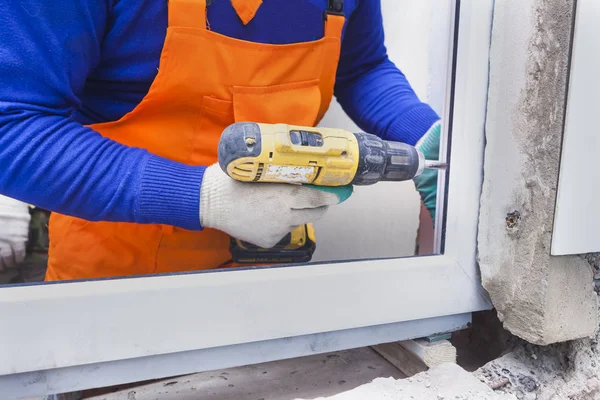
(262, 213)
(426, 183)
(14, 231)
(12, 252)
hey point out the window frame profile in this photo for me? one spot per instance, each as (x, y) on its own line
(62, 337)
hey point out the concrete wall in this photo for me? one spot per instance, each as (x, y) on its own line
(382, 220)
(540, 298)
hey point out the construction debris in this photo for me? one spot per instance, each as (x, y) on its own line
(444, 382)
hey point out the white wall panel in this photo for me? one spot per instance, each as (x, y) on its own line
(577, 216)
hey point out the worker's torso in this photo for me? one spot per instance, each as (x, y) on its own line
(204, 82)
(133, 41)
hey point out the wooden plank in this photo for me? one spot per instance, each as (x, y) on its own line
(431, 354)
(401, 358)
(415, 356)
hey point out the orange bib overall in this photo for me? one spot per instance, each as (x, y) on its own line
(205, 82)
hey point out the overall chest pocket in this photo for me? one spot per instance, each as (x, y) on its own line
(296, 103)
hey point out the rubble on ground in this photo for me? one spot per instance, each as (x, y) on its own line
(444, 382)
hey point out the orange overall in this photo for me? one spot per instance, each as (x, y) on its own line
(205, 82)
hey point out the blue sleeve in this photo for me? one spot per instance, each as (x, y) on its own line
(47, 159)
(371, 89)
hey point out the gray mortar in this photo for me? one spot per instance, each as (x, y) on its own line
(540, 298)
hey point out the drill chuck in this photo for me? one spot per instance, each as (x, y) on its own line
(380, 160)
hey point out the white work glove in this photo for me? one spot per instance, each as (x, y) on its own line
(14, 232)
(261, 213)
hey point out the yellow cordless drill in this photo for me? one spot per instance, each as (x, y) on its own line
(281, 153)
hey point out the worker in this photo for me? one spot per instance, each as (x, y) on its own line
(111, 111)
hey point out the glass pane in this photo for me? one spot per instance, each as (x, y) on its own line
(399, 100)
(390, 219)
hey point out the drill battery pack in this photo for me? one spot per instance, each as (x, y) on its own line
(296, 247)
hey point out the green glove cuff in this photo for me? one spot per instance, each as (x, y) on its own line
(429, 144)
(343, 192)
(426, 183)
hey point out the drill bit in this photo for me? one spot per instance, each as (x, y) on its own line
(435, 164)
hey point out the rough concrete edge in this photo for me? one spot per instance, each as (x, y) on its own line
(538, 297)
(567, 370)
(562, 324)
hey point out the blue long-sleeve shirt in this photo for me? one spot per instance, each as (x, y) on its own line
(68, 63)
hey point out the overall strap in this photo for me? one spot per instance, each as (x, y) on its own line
(334, 19)
(187, 13)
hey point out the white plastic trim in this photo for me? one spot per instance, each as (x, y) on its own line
(577, 213)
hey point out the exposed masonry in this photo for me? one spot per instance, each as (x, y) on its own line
(540, 298)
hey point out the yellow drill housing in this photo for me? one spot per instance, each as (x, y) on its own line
(283, 153)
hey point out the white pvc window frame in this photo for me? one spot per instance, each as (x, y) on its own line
(70, 336)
